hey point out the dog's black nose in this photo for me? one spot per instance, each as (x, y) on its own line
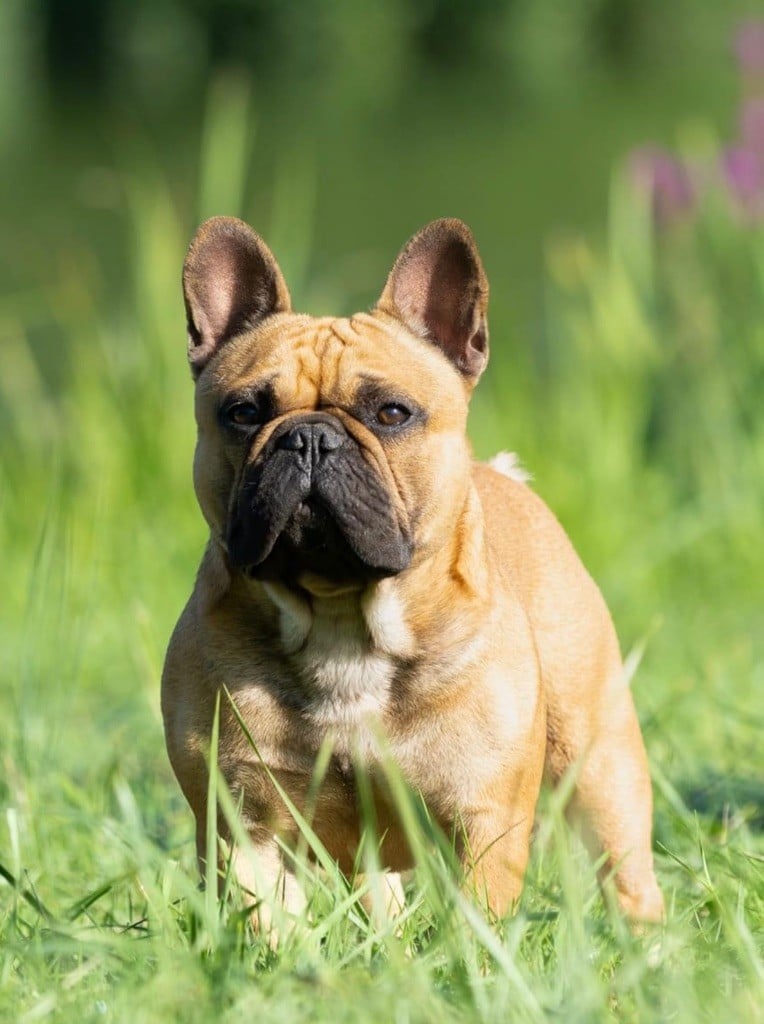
(312, 439)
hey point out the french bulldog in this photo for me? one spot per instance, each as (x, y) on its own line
(364, 577)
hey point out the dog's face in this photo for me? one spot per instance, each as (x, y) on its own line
(332, 452)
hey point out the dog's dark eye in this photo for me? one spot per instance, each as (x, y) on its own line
(393, 415)
(243, 414)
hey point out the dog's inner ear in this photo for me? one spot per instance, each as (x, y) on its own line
(438, 288)
(231, 281)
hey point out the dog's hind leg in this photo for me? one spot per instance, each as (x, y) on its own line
(612, 806)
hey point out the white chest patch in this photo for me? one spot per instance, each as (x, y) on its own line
(344, 650)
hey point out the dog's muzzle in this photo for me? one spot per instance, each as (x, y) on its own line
(313, 502)
(312, 441)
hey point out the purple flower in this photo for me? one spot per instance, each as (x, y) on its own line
(664, 179)
(752, 124)
(743, 172)
(748, 46)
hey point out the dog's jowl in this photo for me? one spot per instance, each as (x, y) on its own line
(366, 579)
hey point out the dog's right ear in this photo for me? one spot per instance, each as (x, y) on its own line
(231, 281)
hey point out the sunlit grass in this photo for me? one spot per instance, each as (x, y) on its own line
(637, 408)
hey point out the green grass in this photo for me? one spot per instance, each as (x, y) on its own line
(637, 405)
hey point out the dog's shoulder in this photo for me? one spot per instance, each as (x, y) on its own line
(510, 506)
(524, 534)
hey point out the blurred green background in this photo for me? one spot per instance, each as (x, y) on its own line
(627, 370)
(359, 121)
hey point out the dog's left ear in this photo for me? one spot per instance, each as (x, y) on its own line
(231, 281)
(438, 288)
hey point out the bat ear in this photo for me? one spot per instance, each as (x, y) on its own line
(439, 290)
(231, 281)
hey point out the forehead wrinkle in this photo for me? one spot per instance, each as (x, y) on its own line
(307, 380)
(330, 360)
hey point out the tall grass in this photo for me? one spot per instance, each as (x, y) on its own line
(637, 405)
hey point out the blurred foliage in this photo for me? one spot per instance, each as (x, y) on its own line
(87, 45)
(360, 122)
(278, 38)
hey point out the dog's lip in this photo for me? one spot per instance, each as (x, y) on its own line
(319, 586)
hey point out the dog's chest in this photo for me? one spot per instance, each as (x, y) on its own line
(346, 679)
(344, 654)
(347, 683)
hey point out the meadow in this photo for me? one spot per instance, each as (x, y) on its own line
(637, 405)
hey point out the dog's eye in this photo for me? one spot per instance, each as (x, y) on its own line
(393, 415)
(243, 414)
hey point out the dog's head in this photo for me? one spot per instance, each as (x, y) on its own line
(332, 452)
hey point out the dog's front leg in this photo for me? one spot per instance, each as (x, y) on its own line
(267, 881)
(384, 899)
(264, 876)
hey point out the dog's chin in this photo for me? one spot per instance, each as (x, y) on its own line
(312, 553)
(314, 569)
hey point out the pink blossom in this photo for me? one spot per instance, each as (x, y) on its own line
(752, 124)
(743, 171)
(748, 46)
(665, 180)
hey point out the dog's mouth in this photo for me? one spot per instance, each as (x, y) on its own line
(312, 544)
(312, 508)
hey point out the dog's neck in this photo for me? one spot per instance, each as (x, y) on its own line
(372, 618)
(344, 651)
